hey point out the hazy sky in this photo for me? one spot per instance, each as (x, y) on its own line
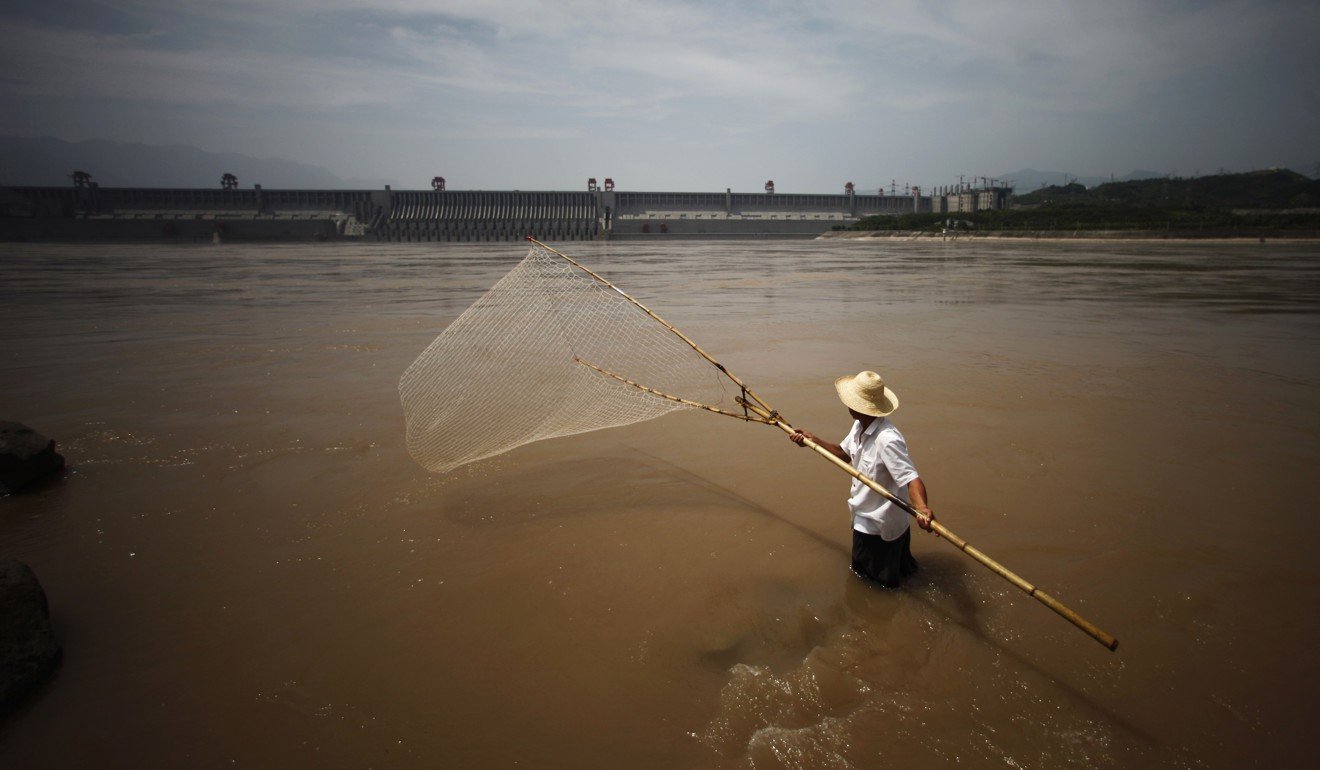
(501, 94)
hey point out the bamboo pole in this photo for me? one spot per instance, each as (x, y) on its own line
(658, 319)
(772, 417)
(939, 529)
(683, 401)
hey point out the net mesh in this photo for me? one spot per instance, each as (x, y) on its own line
(503, 373)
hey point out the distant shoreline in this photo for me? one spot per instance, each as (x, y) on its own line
(1231, 236)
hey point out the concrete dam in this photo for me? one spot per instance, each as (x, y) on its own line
(143, 214)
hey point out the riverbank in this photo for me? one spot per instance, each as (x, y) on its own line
(1209, 236)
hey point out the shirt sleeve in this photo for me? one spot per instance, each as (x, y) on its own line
(894, 453)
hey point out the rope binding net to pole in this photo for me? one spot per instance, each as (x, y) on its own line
(555, 334)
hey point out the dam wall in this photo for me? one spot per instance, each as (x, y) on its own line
(140, 202)
(765, 204)
(133, 214)
(441, 215)
(183, 230)
(744, 215)
(93, 213)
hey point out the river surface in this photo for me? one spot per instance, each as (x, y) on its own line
(246, 569)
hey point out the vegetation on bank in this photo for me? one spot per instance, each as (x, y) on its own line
(1261, 200)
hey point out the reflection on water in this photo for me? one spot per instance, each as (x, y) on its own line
(245, 567)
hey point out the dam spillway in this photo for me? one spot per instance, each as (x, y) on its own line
(460, 215)
(144, 214)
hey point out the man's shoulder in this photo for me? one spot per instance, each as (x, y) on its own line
(888, 431)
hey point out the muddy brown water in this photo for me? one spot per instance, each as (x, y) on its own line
(246, 569)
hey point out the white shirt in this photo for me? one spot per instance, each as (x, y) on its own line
(881, 453)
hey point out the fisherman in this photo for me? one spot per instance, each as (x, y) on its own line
(882, 539)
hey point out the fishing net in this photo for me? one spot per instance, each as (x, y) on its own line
(513, 368)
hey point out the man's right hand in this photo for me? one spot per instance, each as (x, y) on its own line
(801, 437)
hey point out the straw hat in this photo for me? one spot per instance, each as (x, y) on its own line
(865, 392)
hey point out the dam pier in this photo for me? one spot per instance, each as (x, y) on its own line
(88, 212)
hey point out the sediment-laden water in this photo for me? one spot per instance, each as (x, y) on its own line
(246, 569)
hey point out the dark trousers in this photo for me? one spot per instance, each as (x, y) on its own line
(885, 562)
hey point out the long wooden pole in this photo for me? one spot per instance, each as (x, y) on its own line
(1049, 601)
(658, 319)
(772, 417)
(676, 399)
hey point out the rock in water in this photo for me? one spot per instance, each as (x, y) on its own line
(25, 456)
(28, 651)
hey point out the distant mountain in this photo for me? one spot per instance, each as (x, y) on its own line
(1029, 179)
(50, 161)
(1267, 189)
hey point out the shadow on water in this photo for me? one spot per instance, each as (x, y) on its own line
(865, 602)
(661, 465)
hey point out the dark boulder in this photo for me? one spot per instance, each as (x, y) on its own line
(28, 651)
(25, 457)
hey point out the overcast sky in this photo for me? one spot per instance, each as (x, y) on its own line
(503, 94)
